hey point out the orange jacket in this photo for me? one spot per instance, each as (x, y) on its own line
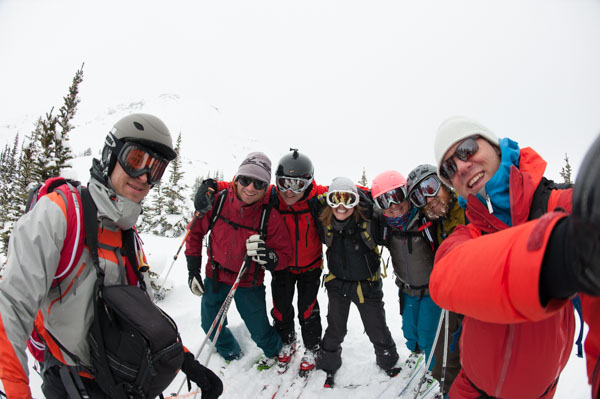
(511, 346)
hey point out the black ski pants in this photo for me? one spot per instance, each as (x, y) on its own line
(283, 285)
(341, 294)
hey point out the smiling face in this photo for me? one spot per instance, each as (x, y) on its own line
(396, 210)
(472, 174)
(439, 205)
(248, 194)
(342, 213)
(133, 188)
(290, 197)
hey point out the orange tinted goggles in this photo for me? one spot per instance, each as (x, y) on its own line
(137, 160)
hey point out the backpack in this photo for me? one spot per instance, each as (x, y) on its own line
(74, 241)
(135, 346)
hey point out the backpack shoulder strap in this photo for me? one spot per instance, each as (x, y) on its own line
(90, 214)
(219, 206)
(541, 196)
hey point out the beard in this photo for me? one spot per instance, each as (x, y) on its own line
(445, 201)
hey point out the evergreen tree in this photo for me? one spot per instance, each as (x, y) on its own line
(66, 113)
(10, 200)
(363, 179)
(176, 214)
(51, 136)
(565, 172)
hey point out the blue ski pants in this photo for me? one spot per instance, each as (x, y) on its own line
(420, 318)
(250, 303)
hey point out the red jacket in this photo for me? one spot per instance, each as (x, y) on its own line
(511, 346)
(307, 249)
(228, 243)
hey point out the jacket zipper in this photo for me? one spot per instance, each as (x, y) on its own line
(507, 356)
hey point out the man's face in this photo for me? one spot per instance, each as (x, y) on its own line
(290, 197)
(438, 206)
(472, 175)
(249, 194)
(133, 188)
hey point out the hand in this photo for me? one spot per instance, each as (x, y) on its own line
(584, 224)
(209, 383)
(205, 196)
(194, 264)
(260, 253)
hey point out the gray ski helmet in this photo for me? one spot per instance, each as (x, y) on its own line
(144, 129)
(419, 174)
(295, 164)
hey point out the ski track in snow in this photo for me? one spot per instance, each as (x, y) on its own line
(242, 380)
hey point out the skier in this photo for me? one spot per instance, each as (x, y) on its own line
(233, 240)
(136, 152)
(409, 240)
(439, 203)
(354, 277)
(298, 198)
(512, 270)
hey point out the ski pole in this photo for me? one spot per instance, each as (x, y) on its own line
(437, 335)
(160, 295)
(220, 317)
(447, 323)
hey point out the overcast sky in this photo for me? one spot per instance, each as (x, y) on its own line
(351, 83)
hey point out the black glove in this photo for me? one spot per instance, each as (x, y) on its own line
(205, 196)
(194, 264)
(260, 253)
(209, 383)
(584, 224)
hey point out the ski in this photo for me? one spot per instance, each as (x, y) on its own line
(404, 379)
(426, 390)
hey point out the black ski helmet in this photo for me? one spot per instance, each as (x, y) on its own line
(418, 174)
(295, 164)
(144, 129)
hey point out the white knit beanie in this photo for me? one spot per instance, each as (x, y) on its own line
(455, 129)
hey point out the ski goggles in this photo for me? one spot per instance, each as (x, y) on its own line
(387, 199)
(137, 160)
(258, 184)
(429, 187)
(293, 184)
(465, 150)
(347, 198)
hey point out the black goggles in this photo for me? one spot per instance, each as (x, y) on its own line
(347, 198)
(258, 184)
(429, 187)
(465, 150)
(395, 196)
(137, 160)
(293, 184)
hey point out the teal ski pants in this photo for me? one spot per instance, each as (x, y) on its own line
(250, 303)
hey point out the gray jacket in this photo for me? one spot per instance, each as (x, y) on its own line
(33, 255)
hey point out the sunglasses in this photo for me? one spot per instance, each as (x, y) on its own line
(137, 160)
(348, 199)
(294, 184)
(465, 150)
(429, 187)
(387, 199)
(258, 184)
